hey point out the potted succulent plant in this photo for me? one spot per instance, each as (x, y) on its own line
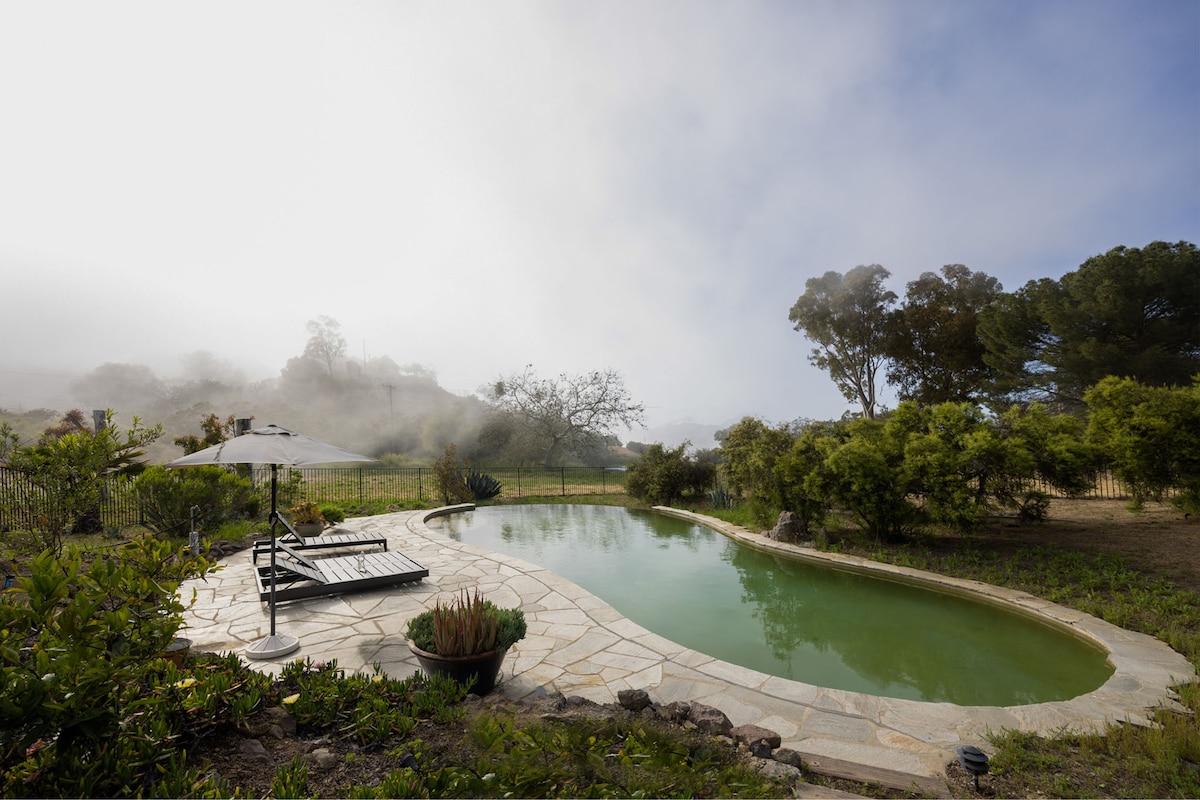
(307, 519)
(465, 639)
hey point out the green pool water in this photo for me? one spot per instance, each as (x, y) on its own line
(789, 618)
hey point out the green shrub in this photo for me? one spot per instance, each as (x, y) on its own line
(777, 469)
(662, 476)
(1151, 437)
(76, 643)
(167, 497)
(863, 472)
(333, 513)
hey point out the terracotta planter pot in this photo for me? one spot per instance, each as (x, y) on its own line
(484, 667)
(177, 651)
(309, 529)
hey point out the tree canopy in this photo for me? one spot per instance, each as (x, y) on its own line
(566, 414)
(934, 349)
(846, 317)
(1132, 313)
(325, 342)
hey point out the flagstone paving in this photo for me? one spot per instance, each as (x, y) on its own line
(579, 645)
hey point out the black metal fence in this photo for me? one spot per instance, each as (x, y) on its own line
(21, 503)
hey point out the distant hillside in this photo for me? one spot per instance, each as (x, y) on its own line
(676, 433)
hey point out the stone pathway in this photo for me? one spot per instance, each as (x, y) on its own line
(579, 645)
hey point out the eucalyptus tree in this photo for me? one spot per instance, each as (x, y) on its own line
(933, 345)
(847, 318)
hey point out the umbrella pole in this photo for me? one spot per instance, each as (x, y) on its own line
(273, 646)
(274, 519)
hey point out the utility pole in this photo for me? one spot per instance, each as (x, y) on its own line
(389, 387)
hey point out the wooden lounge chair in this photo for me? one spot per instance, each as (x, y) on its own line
(298, 576)
(327, 541)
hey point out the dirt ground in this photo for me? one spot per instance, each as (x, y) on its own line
(1159, 540)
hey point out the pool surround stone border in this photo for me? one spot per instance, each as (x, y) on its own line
(577, 644)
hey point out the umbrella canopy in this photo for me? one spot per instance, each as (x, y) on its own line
(269, 445)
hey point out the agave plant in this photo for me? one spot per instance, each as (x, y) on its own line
(482, 486)
(720, 498)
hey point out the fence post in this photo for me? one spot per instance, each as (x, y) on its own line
(360, 485)
(518, 481)
(563, 474)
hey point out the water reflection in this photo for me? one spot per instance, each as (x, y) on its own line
(786, 617)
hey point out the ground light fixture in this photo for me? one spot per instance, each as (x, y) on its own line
(973, 761)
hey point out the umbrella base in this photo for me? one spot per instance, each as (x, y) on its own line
(272, 646)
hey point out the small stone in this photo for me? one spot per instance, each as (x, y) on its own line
(760, 749)
(788, 756)
(323, 758)
(675, 712)
(633, 699)
(753, 733)
(253, 750)
(285, 721)
(776, 770)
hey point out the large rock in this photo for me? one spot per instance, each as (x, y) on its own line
(709, 719)
(787, 528)
(633, 699)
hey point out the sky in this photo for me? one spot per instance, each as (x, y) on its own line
(643, 187)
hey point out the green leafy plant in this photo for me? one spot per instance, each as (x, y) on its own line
(291, 780)
(368, 708)
(467, 625)
(69, 470)
(76, 643)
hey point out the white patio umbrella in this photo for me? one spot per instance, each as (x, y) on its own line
(270, 445)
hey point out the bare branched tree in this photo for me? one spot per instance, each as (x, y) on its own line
(325, 343)
(566, 414)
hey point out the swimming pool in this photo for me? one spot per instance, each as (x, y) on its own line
(789, 618)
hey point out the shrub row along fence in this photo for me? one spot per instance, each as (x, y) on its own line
(20, 502)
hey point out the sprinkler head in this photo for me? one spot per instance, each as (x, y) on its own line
(973, 761)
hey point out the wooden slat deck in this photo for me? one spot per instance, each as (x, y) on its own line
(300, 577)
(329, 541)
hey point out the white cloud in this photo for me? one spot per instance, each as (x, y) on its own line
(643, 187)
